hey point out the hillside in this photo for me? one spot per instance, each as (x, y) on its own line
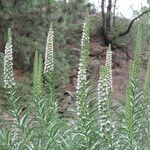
(121, 58)
(72, 78)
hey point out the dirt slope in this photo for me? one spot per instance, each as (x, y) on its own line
(121, 59)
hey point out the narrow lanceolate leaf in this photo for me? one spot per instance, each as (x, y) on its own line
(134, 68)
(8, 63)
(131, 123)
(49, 64)
(135, 65)
(82, 105)
(147, 82)
(109, 66)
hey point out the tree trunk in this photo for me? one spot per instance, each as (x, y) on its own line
(114, 14)
(106, 27)
(108, 18)
(103, 12)
(106, 21)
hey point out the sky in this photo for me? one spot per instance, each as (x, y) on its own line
(124, 6)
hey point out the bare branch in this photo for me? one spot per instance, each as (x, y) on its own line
(131, 23)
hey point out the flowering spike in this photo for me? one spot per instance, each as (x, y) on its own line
(37, 74)
(132, 107)
(49, 64)
(8, 63)
(82, 106)
(103, 104)
(40, 71)
(109, 66)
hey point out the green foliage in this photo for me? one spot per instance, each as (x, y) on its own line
(37, 74)
(1, 71)
(37, 125)
(62, 66)
(146, 107)
(133, 109)
(145, 30)
(30, 20)
(19, 133)
(5, 137)
(147, 81)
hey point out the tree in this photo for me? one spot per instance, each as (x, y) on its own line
(108, 17)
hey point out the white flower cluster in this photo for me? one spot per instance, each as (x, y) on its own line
(81, 83)
(14, 132)
(81, 77)
(103, 98)
(49, 64)
(109, 66)
(8, 64)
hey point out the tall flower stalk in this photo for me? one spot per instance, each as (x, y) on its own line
(37, 74)
(103, 89)
(49, 68)
(133, 111)
(109, 67)
(20, 121)
(8, 64)
(49, 64)
(82, 104)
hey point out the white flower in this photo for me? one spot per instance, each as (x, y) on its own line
(8, 64)
(49, 64)
(109, 67)
(103, 98)
(81, 77)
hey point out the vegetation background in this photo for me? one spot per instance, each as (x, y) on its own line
(29, 21)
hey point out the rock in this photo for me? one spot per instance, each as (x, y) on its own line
(94, 64)
(73, 76)
(67, 100)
